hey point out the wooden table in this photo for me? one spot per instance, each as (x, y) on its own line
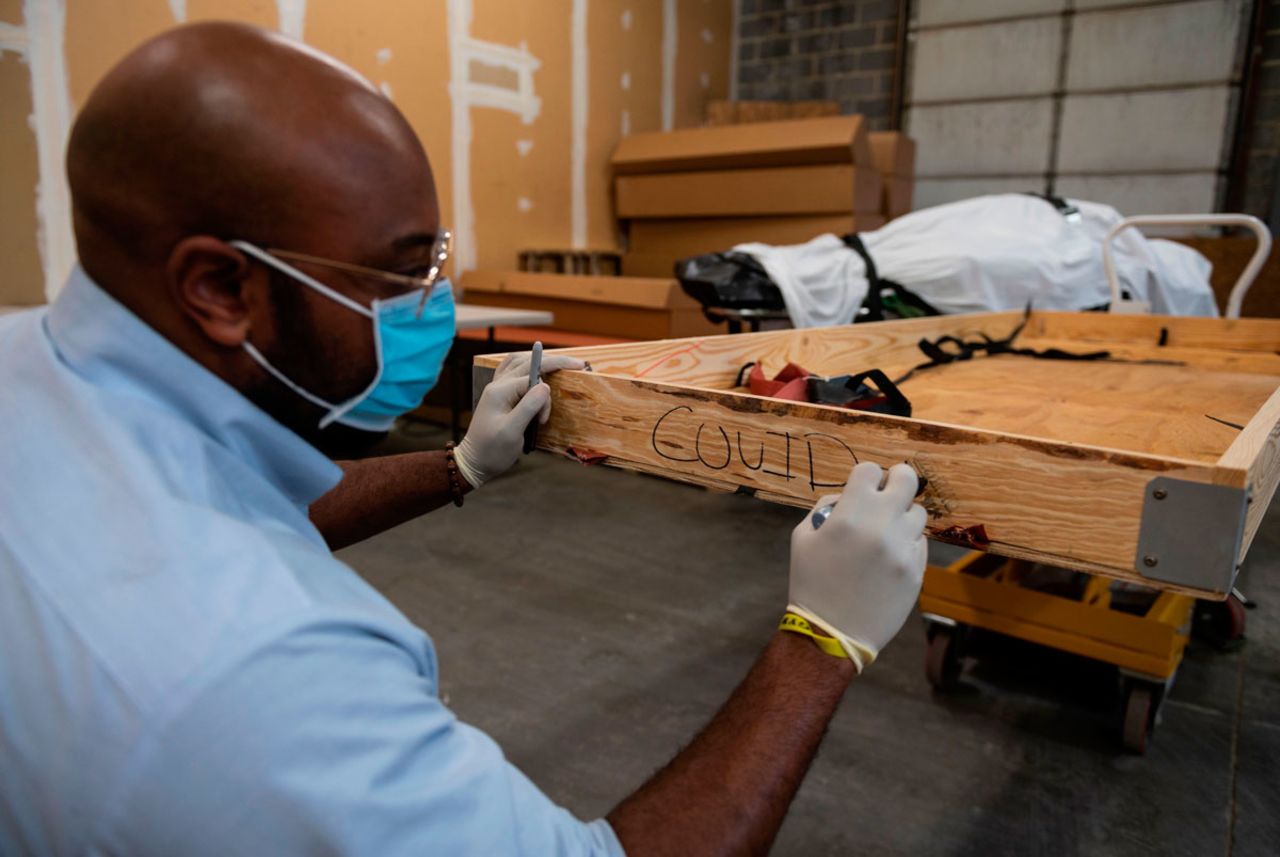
(471, 317)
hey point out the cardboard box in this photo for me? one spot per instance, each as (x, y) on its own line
(677, 239)
(893, 153)
(627, 307)
(657, 245)
(1229, 256)
(898, 193)
(652, 264)
(721, 112)
(821, 189)
(826, 140)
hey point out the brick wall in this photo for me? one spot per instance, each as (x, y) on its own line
(1264, 137)
(834, 50)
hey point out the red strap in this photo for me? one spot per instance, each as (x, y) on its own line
(792, 383)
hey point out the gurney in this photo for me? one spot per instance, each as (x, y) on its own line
(986, 254)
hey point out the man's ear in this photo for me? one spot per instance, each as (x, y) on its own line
(214, 285)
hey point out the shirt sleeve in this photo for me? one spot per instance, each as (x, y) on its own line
(331, 741)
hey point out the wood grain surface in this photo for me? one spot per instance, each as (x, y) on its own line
(1051, 457)
(1256, 452)
(1067, 504)
(1221, 334)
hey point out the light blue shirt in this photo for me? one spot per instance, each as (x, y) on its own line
(184, 667)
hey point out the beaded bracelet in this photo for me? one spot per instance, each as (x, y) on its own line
(455, 477)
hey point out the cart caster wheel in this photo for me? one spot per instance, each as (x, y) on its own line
(1139, 718)
(942, 658)
(1221, 623)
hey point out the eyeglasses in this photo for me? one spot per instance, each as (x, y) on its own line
(439, 256)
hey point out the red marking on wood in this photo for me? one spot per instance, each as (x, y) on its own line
(585, 456)
(662, 360)
(969, 537)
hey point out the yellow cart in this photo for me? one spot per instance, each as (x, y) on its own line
(1143, 632)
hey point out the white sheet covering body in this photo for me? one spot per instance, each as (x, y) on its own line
(988, 254)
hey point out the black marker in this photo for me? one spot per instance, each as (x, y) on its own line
(821, 514)
(535, 378)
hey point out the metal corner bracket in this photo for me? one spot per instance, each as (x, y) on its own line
(1191, 533)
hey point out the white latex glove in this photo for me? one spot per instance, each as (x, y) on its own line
(495, 438)
(858, 576)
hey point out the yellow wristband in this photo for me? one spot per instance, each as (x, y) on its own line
(799, 625)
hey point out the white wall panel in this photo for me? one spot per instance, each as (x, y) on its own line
(1146, 117)
(933, 12)
(1181, 194)
(1155, 45)
(996, 138)
(931, 192)
(1176, 129)
(1010, 58)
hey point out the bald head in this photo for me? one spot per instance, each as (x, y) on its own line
(230, 130)
(215, 133)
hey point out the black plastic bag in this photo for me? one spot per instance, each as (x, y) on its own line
(728, 281)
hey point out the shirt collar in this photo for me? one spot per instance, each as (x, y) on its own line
(110, 346)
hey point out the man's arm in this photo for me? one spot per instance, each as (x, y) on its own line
(855, 579)
(376, 494)
(729, 790)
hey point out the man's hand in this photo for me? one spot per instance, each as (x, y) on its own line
(496, 435)
(859, 575)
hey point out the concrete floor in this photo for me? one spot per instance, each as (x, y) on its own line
(592, 620)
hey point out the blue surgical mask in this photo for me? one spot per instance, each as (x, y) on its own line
(410, 347)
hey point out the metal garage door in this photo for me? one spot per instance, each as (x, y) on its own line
(1128, 103)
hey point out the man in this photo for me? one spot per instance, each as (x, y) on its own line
(184, 667)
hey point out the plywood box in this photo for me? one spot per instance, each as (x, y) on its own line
(721, 112)
(898, 193)
(657, 244)
(829, 140)
(893, 153)
(655, 264)
(823, 189)
(1154, 466)
(690, 236)
(1229, 255)
(627, 307)
(694, 235)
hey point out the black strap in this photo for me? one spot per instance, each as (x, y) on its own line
(1064, 208)
(867, 391)
(876, 285)
(949, 349)
(850, 391)
(873, 304)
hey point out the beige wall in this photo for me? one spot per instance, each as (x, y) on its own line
(521, 174)
(22, 281)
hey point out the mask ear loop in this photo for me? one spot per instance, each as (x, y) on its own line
(334, 411)
(262, 361)
(285, 268)
(341, 410)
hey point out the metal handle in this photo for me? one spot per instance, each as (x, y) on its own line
(1238, 291)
